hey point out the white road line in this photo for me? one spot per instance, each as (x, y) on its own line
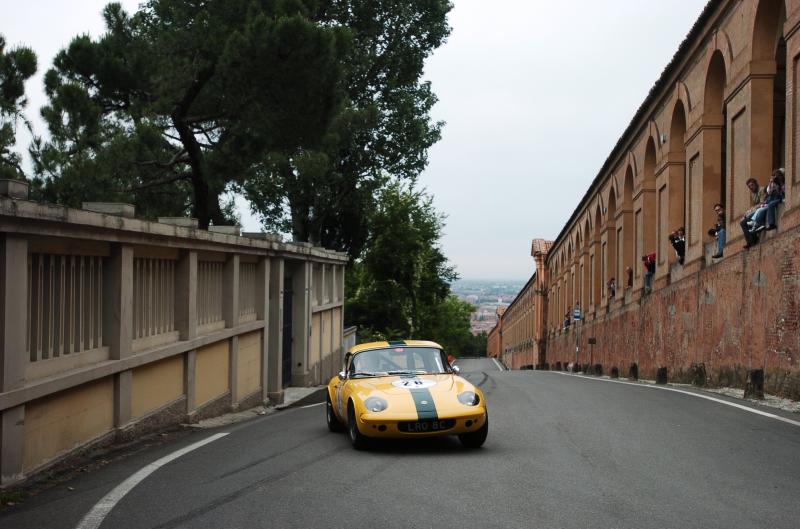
(692, 394)
(499, 365)
(312, 405)
(95, 517)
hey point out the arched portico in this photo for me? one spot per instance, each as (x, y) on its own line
(609, 242)
(645, 217)
(711, 189)
(597, 276)
(767, 89)
(672, 189)
(625, 234)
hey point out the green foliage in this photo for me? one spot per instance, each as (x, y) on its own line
(400, 288)
(17, 65)
(180, 102)
(383, 129)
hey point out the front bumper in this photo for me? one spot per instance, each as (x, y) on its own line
(379, 425)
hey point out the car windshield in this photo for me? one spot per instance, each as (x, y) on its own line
(398, 361)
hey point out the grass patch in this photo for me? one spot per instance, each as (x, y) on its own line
(11, 497)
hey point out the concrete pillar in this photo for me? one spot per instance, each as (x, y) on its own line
(274, 334)
(118, 323)
(233, 370)
(13, 311)
(230, 313)
(189, 388)
(301, 321)
(13, 327)
(118, 301)
(262, 314)
(186, 295)
(186, 320)
(230, 292)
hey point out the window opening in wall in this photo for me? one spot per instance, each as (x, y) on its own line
(779, 107)
(247, 291)
(65, 305)
(153, 297)
(723, 180)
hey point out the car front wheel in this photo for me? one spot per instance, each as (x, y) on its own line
(357, 439)
(333, 423)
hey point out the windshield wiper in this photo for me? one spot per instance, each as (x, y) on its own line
(408, 372)
(368, 374)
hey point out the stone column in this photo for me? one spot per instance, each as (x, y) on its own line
(301, 322)
(263, 314)
(233, 371)
(274, 335)
(13, 327)
(118, 323)
(230, 313)
(186, 319)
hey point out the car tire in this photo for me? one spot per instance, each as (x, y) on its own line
(333, 422)
(357, 439)
(477, 438)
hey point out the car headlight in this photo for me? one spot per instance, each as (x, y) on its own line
(376, 404)
(469, 398)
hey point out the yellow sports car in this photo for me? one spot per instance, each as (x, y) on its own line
(404, 389)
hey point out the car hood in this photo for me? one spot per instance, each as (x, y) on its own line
(399, 385)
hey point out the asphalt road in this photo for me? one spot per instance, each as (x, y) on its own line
(563, 452)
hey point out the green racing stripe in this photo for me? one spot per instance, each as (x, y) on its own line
(423, 400)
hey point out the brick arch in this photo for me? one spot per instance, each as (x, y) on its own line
(713, 183)
(645, 235)
(625, 231)
(587, 231)
(597, 277)
(766, 29)
(609, 257)
(630, 161)
(672, 206)
(586, 272)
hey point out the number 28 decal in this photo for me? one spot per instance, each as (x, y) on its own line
(413, 383)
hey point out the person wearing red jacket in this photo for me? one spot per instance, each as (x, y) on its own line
(649, 263)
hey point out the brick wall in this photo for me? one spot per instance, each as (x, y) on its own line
(738, 314)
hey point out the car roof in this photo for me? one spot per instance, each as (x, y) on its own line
(394, 343)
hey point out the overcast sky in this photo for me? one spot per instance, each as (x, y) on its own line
(535, 94)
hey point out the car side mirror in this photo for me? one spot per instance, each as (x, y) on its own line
(456, 369)
(342, 375)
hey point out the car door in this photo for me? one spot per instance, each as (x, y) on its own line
(339, 388)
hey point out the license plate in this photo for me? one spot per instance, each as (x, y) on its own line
(426, 426)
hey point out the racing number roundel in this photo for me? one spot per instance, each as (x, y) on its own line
(413, 383)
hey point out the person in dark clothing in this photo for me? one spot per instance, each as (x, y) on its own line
(758, 197)
(649, 263)
(718, 230)
(678, 241)
(764, 217)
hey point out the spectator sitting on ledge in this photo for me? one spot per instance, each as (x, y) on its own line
(718, 230)
(764, 217)
(628, 277)
(566, 320)
(612, 288)
(758, 196)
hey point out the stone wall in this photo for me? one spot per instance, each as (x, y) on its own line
(738, 314)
